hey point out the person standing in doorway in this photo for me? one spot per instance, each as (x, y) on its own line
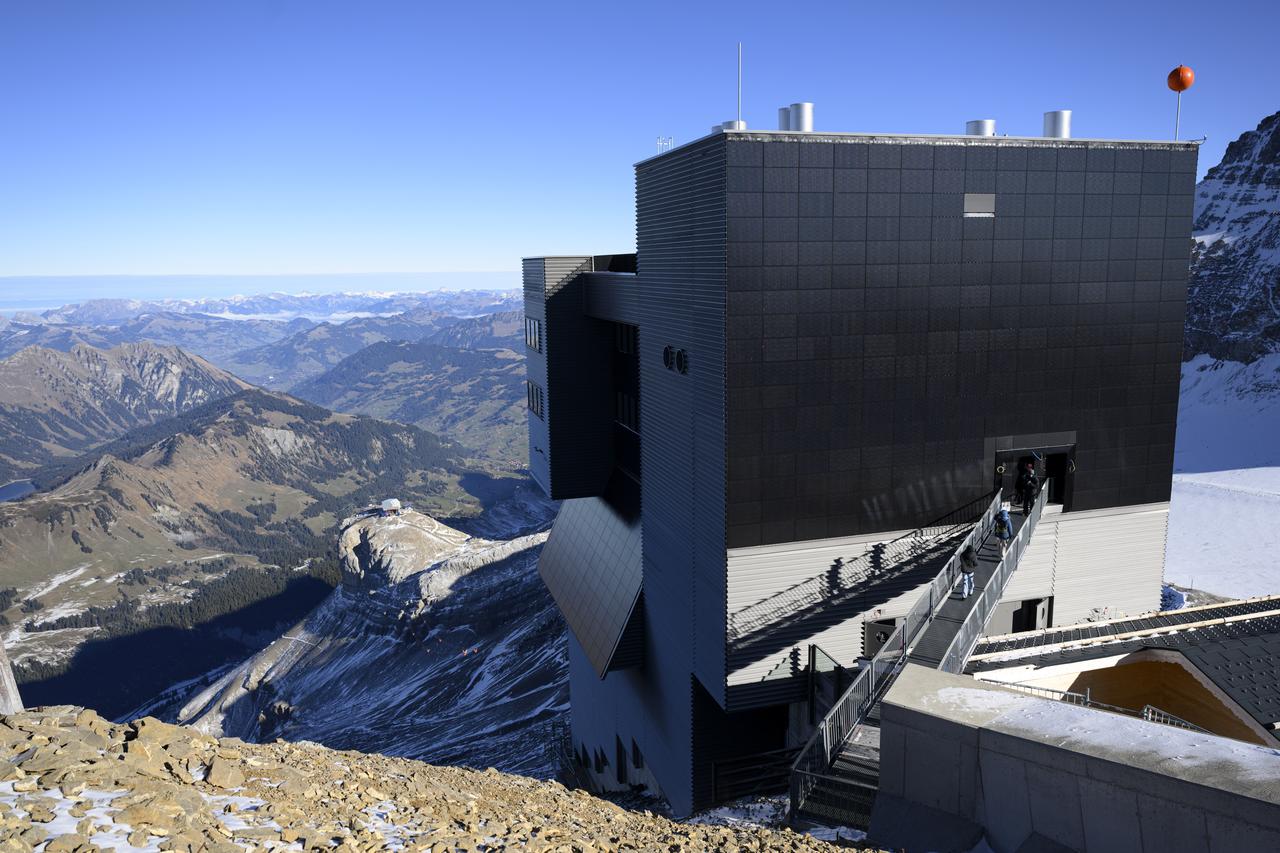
(968, 565)
(1028, 487)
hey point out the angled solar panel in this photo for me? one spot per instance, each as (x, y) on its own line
(592, 566)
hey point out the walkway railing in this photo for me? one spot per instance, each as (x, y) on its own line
(1150, 713)
(816, 757)
(962, 644)
(879, 559)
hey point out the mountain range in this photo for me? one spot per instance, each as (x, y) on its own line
(58, 404)
(288, 306)
(474, 395)
(1233, 302)
(244, 491)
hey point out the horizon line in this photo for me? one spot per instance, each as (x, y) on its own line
(256, 275)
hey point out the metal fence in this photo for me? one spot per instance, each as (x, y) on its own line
(962, 644)
(1150, 713)
(812, 764)
(879, 560)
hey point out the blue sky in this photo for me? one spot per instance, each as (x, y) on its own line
(267, 138)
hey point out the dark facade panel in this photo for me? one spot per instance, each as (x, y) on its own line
(591, 565)
(875, 344)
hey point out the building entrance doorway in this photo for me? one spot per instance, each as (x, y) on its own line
(1055, 464)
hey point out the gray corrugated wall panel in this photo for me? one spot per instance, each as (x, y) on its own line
(534, 279)
(680, 230)
(1034, 577)
(617, 297)
(1109, 559)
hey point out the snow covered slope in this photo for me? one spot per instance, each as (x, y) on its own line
(1233, 302)
(437, 645)
(1224, 520)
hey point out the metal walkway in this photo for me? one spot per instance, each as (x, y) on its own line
(951, 617)
(836, 774)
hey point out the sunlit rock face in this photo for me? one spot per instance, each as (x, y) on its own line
(1233, 304)
(437, 645)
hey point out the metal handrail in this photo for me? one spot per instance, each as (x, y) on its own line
(817, 588)
(850, 709)
(1150, 713)
(975, 622)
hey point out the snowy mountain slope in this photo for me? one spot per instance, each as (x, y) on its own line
(1233, 302)
(1223, 535)
(437, 645)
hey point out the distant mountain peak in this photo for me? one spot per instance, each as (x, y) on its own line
(1233, 302)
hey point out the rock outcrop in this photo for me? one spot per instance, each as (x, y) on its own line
(71, 782)
(10, 701)
(1233, 302)
(437, 645)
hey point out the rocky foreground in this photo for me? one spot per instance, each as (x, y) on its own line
(71, 781)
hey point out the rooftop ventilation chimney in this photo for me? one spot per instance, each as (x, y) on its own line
(802, 117)
(980, 127)
(784, 118)
(736, 124)
(1057, 124)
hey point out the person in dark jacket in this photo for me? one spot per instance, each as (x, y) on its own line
(968, 565)
(1028, 488)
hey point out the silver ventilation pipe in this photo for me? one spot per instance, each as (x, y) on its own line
(980, 127)
(1057, 124)
(802, 117)
(784, 118)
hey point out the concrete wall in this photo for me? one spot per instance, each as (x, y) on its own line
(960, 758)
(10, 701)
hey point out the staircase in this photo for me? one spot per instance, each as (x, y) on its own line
(835, 777)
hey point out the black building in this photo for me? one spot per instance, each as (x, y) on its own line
(824, 340)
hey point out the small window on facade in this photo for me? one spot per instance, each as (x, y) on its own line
(682, 361)
(980, 205)
(627, 411)
(534, 400)
(668, 358)
(637, 759)
(533, 334)
(627, 338)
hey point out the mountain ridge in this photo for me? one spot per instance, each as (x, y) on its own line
(56, 404)
(1233, 301)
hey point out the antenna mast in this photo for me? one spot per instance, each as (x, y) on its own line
(739, 85)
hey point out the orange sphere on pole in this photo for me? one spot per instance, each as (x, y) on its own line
(1181, 78)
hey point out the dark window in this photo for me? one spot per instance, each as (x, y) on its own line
(627, 411)
(637, 759)
(626, 338)
(682, 361)
(534, 401)
(620, 760)
(668, 358)
(533, 334)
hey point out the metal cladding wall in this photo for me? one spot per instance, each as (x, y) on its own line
(877, 337)
(680, 222)
(571, 447)
(533, 274)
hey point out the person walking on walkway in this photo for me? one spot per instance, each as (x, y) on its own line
(968, 565)
(1004, 530)
(1028, 487)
